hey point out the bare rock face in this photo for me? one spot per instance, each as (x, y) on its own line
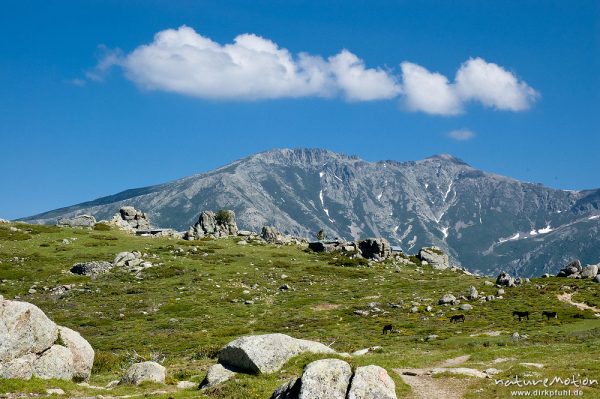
(375, 248)
(370, 382)
(144, 371)
(266, 353)
(220, 224)
(86, 221)
(32, 345)
(435, 257)
(131, 220)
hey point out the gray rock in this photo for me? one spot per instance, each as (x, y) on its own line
(216, 375)
(56, 362)
(371, 382)
(473, 294)
(447, 299)
(572, 269)
(435, 257)
(123, 258)
(372, 248)
(289, 390)
(505, 279)
(187, 385)
(266, 353)
(131, 220)
(91, 268)
(82, 351)
(325, 378)
(589, 271)
(500, 292)
(77, 221)
(597, 278)
(142, 372)
(466, 307)
(220, 224)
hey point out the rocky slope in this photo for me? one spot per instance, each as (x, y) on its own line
(484, 221)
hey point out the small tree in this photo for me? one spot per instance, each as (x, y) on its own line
(223, 216)
(321, 235)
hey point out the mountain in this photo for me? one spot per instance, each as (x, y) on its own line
(486, 222)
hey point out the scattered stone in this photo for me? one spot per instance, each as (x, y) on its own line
(431, 337)
(362, 352)
(492, 371)
(488, 283)
(466, 307)
(500, 292)
(459, 371)
(435, 257)
(186, 385)
(414, 309)
(86, 221)
(266, 353)
(55, 391)
(216, 375)
(144, 371)
(473, 294)
(91, 268)
(361, 312)
(536, 365)
(429, 308)
(123, 258)
(131, 220)
(505, 279)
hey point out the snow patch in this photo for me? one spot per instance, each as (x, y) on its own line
(545, 230)
(379, 197)
(513, 238)
(594, 217)
(321, 174)
(395, 229)
(445, 232)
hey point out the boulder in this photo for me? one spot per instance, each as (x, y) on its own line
(289, 390)
(216, 375)
(371, 382)
(597, 278)
(325, 378)
(473, 294)
(131, 220)
(447, 299)
(127, 259)
(144, 371)
(435, 257)
(505, 279)
(220, 224)
(271, 235)
(466, 307)
(572, 269)
(589, 271)
(91, 268)
(375, 248)
(266, 353)
(87, 221)
(31, 345)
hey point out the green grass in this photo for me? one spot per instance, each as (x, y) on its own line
(187, 308)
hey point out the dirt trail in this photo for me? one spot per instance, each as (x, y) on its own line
(567, 298)
(424, 386)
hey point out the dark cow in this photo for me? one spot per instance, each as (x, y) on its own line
(549, 314)
(387, 329)
(456, 318)
(521, 315)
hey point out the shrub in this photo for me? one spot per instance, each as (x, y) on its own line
(101, 227)
(223, 216)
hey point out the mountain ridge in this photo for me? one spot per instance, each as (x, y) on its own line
(485, 221)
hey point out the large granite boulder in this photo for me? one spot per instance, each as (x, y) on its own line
(144, 372)
(32, 345)
(448, 299)
(271, 235)
(266, 353)
(435, 257)
(220, 224)
(216, 375)
(131, 220)
(589, 271)
(505, 279)
(87, 221)
(371, 382)
(375, 248)
(572, 269)
(333, 379)
(91, 268)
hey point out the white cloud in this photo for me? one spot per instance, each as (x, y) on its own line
(461, 134)
(254, 68)
(428, 92)
(493, 86)
(476, 80)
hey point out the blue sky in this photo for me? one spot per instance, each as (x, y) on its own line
(86, 112)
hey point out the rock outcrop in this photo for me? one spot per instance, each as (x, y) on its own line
(334, 379)
(31, 345)
(375, 248)
(266, 353)
(131, 220)
(505, 279)
(572, 270)
(448, 299)
(144, 372)
(210, 224)
(86, 221)
(435, 257)
(91, 268)
(590, 271)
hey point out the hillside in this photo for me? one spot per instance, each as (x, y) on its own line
(199, 295)
(485, 222)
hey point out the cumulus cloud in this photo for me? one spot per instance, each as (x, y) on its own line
(476, 80)
(461, 134)
(255, 68)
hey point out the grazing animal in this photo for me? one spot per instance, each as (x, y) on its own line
(521, 315)
(456, 318)
(549, 314)
(387, 328)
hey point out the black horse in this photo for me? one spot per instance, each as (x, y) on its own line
(456, 318)
(521, 315)
(387, 329)
(549, 314)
